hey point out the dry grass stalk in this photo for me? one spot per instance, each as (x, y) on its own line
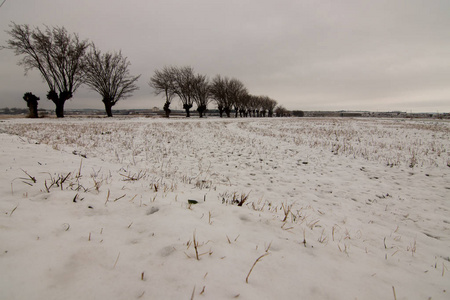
(31, 178)
(243, 199)
(323, 238)
(107, 196)
(193, 291)
(268, 247)
(134, 177)
(120, 197)
(256, 261)
(286, 211)
(195, 246)
(14, 209)
(117, 259)
(412, 247)
(312, 224)
(79, 170)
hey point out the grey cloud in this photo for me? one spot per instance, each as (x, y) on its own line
(305, 54)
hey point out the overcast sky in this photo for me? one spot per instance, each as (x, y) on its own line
(378, 55)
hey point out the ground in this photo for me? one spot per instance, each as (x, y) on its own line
(140, 208)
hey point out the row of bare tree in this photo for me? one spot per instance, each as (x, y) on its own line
(192, 88)
(66, 62)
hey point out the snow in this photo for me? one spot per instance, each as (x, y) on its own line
(341, 208)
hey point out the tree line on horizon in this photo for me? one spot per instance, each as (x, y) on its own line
(66, 62)
(228, 93)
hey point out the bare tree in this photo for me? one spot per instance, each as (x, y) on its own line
(219, 92)
(227, 93)
(56, 54)
(32, 103)
(242, 104)
(235, 94)
(251, 105)
(183, 80)
(108, 75)
(271, 104)
(163, 81)
(201, 93)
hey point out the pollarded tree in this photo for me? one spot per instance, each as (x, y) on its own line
(56, 54)
(163, 81)
(267, 106)
(183, 80)
(219, 93)
(260, 111)
(227, 93)
(235, 93)
(201, 92)
(252, 105)
(271, 104)
(32, 103)
(108, 74)
(243, 103)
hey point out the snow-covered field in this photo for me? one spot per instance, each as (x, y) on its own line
(327, 208)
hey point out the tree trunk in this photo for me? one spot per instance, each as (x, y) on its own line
(187, 107)
(201, 109)
(227, 111)
(167, 109)
(33, 109)
(108, 108)
(59, 108)
(59, 101)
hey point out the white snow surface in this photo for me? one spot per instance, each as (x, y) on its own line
(341, 208)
